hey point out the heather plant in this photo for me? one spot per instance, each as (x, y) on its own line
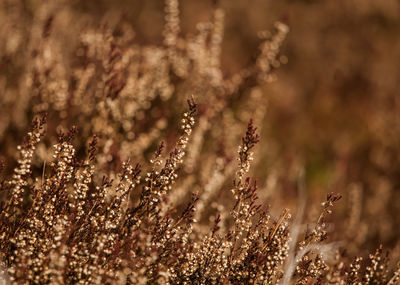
(114, 183)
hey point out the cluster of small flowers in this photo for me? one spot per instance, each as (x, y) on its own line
(245, 155)
(319, 233)
(172, 27)
(310, 268)
(396, 276)
(159, 182)
(23, 171)
(377, 270)
(243, 191)
(269, 50)
(353, 276)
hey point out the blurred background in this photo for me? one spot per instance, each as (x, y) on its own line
(334, 106)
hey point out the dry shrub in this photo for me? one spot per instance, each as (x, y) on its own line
(122, 188)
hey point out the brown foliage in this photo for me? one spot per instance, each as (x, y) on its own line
(75, 209)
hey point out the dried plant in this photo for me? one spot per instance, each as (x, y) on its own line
(112, 185)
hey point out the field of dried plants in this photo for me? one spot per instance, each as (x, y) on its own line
(199, 142)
